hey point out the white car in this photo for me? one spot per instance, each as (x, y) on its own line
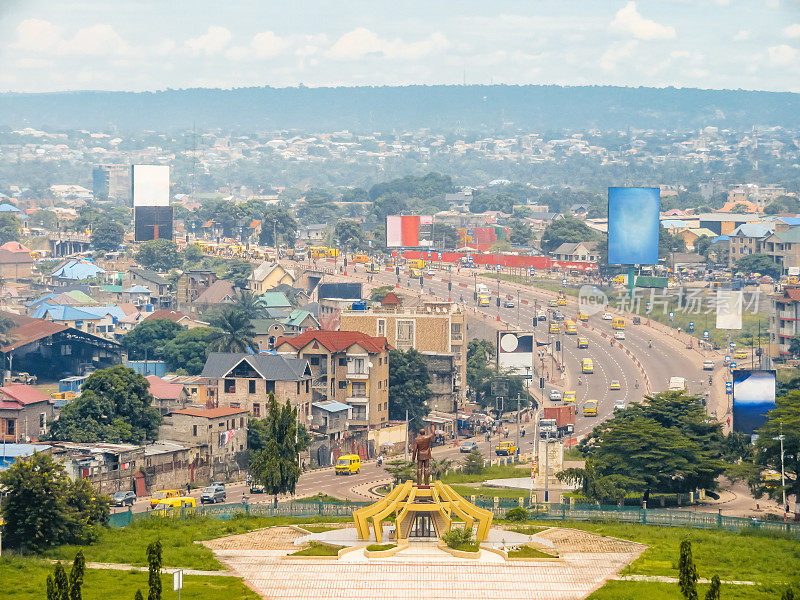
(430, 272)
(619, 405)
(619, 335)
(607, 316)
(555, 395)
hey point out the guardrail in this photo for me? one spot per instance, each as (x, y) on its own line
(500, 506)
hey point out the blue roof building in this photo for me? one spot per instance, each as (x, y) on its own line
(76, 269)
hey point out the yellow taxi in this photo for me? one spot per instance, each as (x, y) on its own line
(582, 316)
(587, 365)
(590, 408)
(570, 328)
(740, 354)
(583, 342)
(615, 385)
(505, 448)
(348, 464)
(415, 272)
(561, 302)
(618, 324)
(176, 502)
(554, 328)
(160, 495)
(483, 300)
(569, 397)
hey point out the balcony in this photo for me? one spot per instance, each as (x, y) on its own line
(356, 400)
(357, 375)
(320, 383)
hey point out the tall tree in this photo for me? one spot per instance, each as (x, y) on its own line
(235, 331)
(251, 304)
(687, 572)
(154, 561)
(238, 272)
(9, 228)
(107, 234)
(280, 221)
(349, 234)
(758, 263)
(148, 339)
(159, 255)
(409, 389)
(188, 350)
(567, 229)
(276, 466)
(76, 577)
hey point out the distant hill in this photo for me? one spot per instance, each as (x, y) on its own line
(471, 108)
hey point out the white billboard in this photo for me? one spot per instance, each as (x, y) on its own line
(150, 185)
(729, 309)
(515, 351)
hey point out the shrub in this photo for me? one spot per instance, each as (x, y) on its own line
(457, 538)
(473, 463)
(518, 514)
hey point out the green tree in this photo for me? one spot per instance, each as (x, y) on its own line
(9, 228)
(188, 350)
(251, 304)
(149, 338)
(234, 332)
(687, 572)
(107, 235)
(43, 508)
(567, 229)
(159, 255)
(76, 576)
(758, 263)
(784, 420)
(788, 594)
(60, 585)
(409, 389)
(138, 595)
(702, 245)
(782, 204)
(444, 234)
(192, 254)
(668, 242)
(401, 470)
(794, 346)
(114, 406)
(238, 272)
(350, 235)
(154, 561)
(439, 467)
(276, 466)
(474, 463)
(713, 589)
(521, 233)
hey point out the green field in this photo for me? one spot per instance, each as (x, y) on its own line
(318, 549)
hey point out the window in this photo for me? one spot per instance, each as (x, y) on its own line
(251, 386)
(42, 420)
(256, 409)
(342, 385)
(11, 427)
(357, 366)
(222, 425)
(308, 383)
(359, 389)
(343, 362)
(381, 327)
(241, 422)
(314, 360)
(230, 386)
(298, 387)
(194, 430)
(405, 335)
(455, 332)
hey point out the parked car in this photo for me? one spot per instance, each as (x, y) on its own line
(468, 447)
(505, 448)
(213, 494)
(555, 395)
(123, 498)
(257, 488)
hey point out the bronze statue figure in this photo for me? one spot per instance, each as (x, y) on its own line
(422, 454)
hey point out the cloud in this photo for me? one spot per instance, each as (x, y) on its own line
(741, 35)
(616, 52)
(792, 31)
(782, 56)
(97, 40)
(211, 42)
(37, 35)
(263, 45)
(362, 42)
(628, 20)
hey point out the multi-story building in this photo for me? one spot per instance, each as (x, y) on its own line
(24, 413)
(246, 380)
(784, 322)
(112, 182)
(431, 328)
(268, 275)
(747, 239)
(783, 247)
(350, 367)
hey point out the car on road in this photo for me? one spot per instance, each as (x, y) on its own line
(430, 272)
(583, 342)
(554, 328)
(555, 395)
(160, 495)
(590, 408)
(615, 385)
(348, 464)
(708, 365)
(508, 303)
(569, 397)
(483, 300)
(587, 365)
(505, 448)
(552, 303)
(122, 498)
(740, 354)
(213, 494)
(619, 404)
(561, 302)
(619, 335)
(468, 446)
(607, 316)
(541, 315)
(177, 502)
(257, 488)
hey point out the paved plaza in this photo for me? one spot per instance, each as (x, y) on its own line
(423, 570)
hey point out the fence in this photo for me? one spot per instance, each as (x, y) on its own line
(550, 512)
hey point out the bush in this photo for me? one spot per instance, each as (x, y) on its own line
(518, 514)
(380, 547)
(473, 463)
(458, 538)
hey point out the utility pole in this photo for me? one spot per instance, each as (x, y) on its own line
(547, 469)
(518, 401)
(407, 433)
(780, 438)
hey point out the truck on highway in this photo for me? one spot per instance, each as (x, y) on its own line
(482, 288)
(677, 384)
(563, 418)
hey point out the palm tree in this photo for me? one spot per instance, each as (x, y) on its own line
(235, 331)
(6, 325)
(251, 304)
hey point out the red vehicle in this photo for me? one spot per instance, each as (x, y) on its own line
(563, 415)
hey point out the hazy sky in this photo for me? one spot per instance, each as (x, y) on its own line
(157, 44)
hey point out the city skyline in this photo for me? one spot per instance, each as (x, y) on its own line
(721, 44)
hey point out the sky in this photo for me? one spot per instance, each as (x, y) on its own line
(158, 44)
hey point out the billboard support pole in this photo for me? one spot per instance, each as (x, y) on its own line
(631, 280)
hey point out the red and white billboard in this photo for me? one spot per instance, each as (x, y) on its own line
(409, 231)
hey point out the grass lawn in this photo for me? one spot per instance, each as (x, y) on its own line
(380, 547)
(733, 556)
(573, 454)
(24, 579)
(128, 545)
(639, 590)
(524, 529)
(489, 492)
(528, 552)
(317, 528)
(493, 472)
(320, 498)
(318, 549)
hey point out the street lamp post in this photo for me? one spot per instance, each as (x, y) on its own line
(780, 438)
(535, 448)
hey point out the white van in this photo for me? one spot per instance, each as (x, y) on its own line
(677, 384)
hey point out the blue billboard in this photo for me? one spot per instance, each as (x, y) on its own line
(753, 398)
(633, 225)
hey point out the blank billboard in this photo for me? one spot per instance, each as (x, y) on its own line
(150, 185)
(633, 225)
(412, 231)
(515, 351)
(152, 223)
(729, 309)
(753, 398)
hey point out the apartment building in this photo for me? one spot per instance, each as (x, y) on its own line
(349, 367)
(246, 381)
(783, 247)
(431, 328)
(784, 321)
(747, 239)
